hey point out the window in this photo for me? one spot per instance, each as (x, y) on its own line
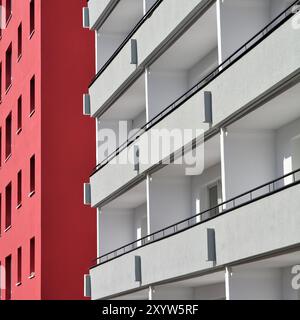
(0, 147)
(0, 218)
(19, 193)
(20, 40)
(1, 284)
(214, 198)
(32, 175)
(8, 11)
(0, 79)
(8, 137)
(8, 278)
(1, 20)
(32, 95)
(8, 206)
(32, 17)
(19, 267)
(8, 67)
(32, 257)
(19, 115)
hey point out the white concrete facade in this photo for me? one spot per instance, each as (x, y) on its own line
(226, 225)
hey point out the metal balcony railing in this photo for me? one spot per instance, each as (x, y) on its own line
(126, 40)
(237, 55)
(243, 199)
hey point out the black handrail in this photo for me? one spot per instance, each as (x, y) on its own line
(191, 222)
(126, 40)
(233, 58)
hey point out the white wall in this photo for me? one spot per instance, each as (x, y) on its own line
(120, 226)
(210, 292)
(148, 4)
(116, 229)
(173, 293)
(116, 137)
(238, 21)
(199, 188)
(278, 6)
(140, 221)
(169, 201)
(106, 45)
(139, 120)
(256, 284)
(202, 68)
(162, 89)
(288, 293)
(288, 148)
(249, 160)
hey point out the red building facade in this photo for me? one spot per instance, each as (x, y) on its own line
(47, 234)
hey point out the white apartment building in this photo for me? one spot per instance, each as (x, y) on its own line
(216, 213)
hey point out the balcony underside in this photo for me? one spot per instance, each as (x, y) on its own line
(249, 88)
(274, 220)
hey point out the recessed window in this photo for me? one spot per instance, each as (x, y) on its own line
(8, 278)
(20, 40)
(0, 147)
(0, 215)
(0, 80)
(32, 95)
(19, 115)
(8, 9)
(19, 266)
(32, 175)
(8, 136)
(8, 67)
(1, 12)
(19, 193)
(8, 206)
(32, 257)
(32, 17)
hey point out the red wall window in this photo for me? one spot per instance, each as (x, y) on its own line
(32, 175)
(8, 205)
(0, 77)
(20, 40)
(19, 193)
(32, 94)
(0, 217)
(0, 147)
(32, 257)
(8, 67)
(8, 278)
(8, 8)
(19, 266)
(32, 17)
(8, 136)
(19, 115)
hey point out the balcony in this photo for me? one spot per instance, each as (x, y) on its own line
(99, 11)
(267, 278)
(260, 83)
(123, 70)
(171, 252)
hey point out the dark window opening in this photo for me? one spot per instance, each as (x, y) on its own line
(8, 278)
(19, 120)
(32, 257)
(8, 10)
(8, 67)
(8, 206)
(8, 138)
(19, 193)
(20, 40)
(32, 94)
(32, 174)
(19, 275)
(32, 17)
